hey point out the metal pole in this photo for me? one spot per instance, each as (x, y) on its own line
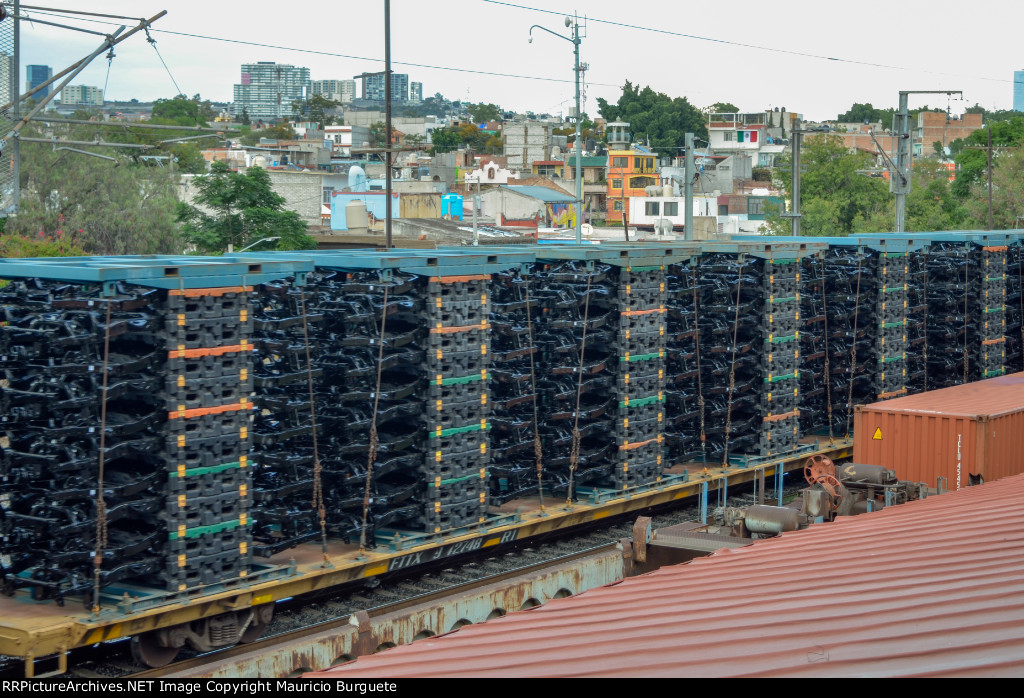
(579, 145)
(16, 111)
(387, 122)
(899, 181)
(795, 177)
(990, 176)
(688, 232)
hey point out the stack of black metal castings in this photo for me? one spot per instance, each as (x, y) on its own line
(207, 391)
(891, 312)
(957, 313)
(513, 462)
(52, 358)
(990, 288)
(731, 338)
(917, 321)
(780, 357)
(457, 409)
(283, 458)
(814, 329)
(573, 296)
(851, 300)
(1014, 316)
(682, 387)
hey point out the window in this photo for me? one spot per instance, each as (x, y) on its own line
(616, 205)
(730, 136)
(620, 162)
(327, 195)
(616, 184)
(651, 208)
(723, 209)
(671, 208)
(641, 182)
(755, 207)
(638, 163)
(650, 164)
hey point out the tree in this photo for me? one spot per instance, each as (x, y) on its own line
(281, 132)
(244, 117)
(721, 108)
(182, 111)
(833, 193)
(1007, 193)
(444, 140)
(108, 208)
(238, 210)
(316, 109)
(664, 121)
(378, 135)
(482, 113)
(972, 160)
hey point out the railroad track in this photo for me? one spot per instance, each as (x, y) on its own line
(300, 617)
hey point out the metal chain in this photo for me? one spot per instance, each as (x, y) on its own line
(924, 324)
(967, 271)
(828, 359)
(853, 346)
(373, 424)
(318, 490)
(732, 363)
(574, 454)
(700, 382)
(1020, 287)
(101, 502)
(537, 451)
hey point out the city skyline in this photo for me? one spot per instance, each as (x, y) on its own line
(795, 59)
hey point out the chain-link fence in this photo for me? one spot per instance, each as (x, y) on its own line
(9, 92)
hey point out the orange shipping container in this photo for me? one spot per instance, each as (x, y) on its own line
(974, 429)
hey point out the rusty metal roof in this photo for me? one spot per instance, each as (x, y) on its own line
(929, 588)
(986, 397)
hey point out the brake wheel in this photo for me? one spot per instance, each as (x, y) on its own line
(818, 466)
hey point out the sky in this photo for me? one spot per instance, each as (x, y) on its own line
(755, 54)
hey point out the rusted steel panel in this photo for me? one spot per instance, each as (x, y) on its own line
(934, 587)
(975, 429)
(365, 635)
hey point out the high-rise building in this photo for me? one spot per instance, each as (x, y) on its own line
(348, 91)
(416, 92)
(86, 95)
(37, 75)
(373, 86)
(1018, 90)
(268, 89)
(343, 91)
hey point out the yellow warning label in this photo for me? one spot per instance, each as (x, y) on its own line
(877, 436)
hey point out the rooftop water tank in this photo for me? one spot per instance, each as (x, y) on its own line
(356, 219)
(356, 179)
(451, 206)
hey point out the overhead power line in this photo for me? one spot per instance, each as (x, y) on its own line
(727, 42)
(332, 54)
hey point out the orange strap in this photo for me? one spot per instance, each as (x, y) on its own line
(212, 351)
(459, 279)
(994, 341)
(639, 444)
(203, 411)
(884, 396)
(1000, 248)
(644, 312)
(452, 330)
(778, 417)
(199, 292)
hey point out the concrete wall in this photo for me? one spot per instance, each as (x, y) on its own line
(420, 205)
(526, 143)
(503, 202)
(302, 192)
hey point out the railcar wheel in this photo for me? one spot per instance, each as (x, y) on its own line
(147, 650)
(261, 617)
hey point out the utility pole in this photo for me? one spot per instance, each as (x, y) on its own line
(387, 123)
(900, 179)
(688, 188)
(798, 136)
(574, 22)
(990, 176)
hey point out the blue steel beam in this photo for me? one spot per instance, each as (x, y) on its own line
(158, 271)
(440, 262)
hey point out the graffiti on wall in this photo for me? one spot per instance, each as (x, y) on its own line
(562, 215)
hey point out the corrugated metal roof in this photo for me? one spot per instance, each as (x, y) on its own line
(987, 397)
(933, 588)
(543, 193)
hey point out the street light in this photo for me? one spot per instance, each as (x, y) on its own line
(571, 22)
